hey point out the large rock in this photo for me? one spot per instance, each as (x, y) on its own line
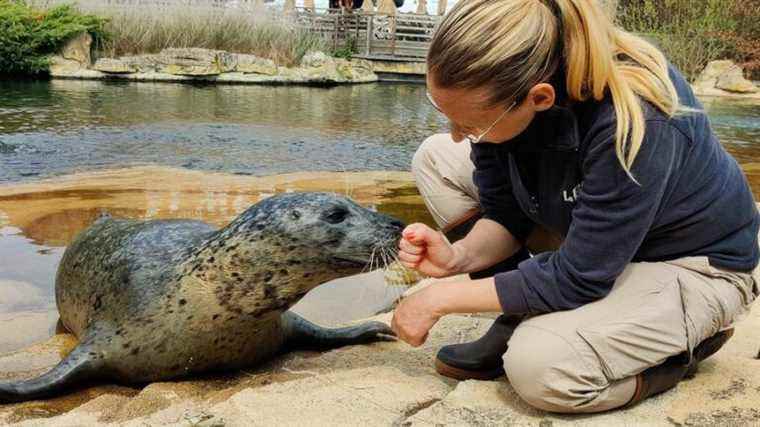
(734, 81)
(318, 66)
(315, 59)
(355, 69)
(397, 67)
(723, 75)
(252, 64)
(60, 66)
(129, 64)
(195, 61)
(78, 49)
(709, 76)
(116, 66)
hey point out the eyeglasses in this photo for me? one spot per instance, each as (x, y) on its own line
(470, 137)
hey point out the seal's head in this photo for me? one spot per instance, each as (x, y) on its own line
(283, 246)
(328, 227)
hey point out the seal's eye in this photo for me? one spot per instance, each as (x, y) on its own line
(336, 215)
(295, 214)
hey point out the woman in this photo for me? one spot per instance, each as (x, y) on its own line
(562, 122)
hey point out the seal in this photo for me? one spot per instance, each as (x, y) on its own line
(162, 299)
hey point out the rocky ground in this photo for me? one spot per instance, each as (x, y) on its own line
(383, 384)
(388, 383)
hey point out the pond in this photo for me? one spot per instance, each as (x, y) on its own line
(63, 126)
(180, 137)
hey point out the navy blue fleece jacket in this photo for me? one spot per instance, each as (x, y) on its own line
(562, 173)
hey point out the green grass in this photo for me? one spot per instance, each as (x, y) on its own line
(268, 37)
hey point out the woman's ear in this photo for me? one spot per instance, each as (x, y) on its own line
(542, 97)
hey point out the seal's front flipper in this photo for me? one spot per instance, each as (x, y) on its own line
(300, 334)
(79, 366)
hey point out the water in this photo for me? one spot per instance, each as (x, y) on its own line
(49, 129)
(64, 126)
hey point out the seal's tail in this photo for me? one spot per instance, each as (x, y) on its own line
(80, 365)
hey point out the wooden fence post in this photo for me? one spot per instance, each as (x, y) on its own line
(422, 7)
(369, 34)
(388, 8)
(442, 7)
(336, 28)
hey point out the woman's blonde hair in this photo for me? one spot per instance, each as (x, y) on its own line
(508, 46)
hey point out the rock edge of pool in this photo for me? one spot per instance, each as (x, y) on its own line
(388, 383)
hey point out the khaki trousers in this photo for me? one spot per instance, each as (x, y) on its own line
(586, 359)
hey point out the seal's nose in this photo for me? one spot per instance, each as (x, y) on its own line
(398, 224)
(393, 225)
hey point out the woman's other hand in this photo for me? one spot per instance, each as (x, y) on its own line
(417, 313)
(415, 316)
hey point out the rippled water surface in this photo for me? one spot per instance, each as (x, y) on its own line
(55, 128)
(61, 126)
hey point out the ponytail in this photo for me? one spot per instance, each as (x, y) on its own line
(511, 45)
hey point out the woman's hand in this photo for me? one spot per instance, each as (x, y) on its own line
(423, 249)
(419, 312)
(415, 316)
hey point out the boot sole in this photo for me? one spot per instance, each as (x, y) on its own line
(465, 374)
(707, 348)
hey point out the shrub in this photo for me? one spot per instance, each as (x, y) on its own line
(347, 50)
(28, 35)
(692, 33)
(746, 35)
(687, 31)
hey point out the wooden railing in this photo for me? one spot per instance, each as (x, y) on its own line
(402, 37)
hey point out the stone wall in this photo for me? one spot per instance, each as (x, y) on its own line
(196, 64)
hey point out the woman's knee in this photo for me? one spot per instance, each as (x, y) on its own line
(424, 157)
(443, 173)
(547, 372)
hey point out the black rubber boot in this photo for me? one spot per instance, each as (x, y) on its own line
(707, 348)
(667, 375)
(481, 359)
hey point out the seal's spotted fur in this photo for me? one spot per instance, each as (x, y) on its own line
(154, 300)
